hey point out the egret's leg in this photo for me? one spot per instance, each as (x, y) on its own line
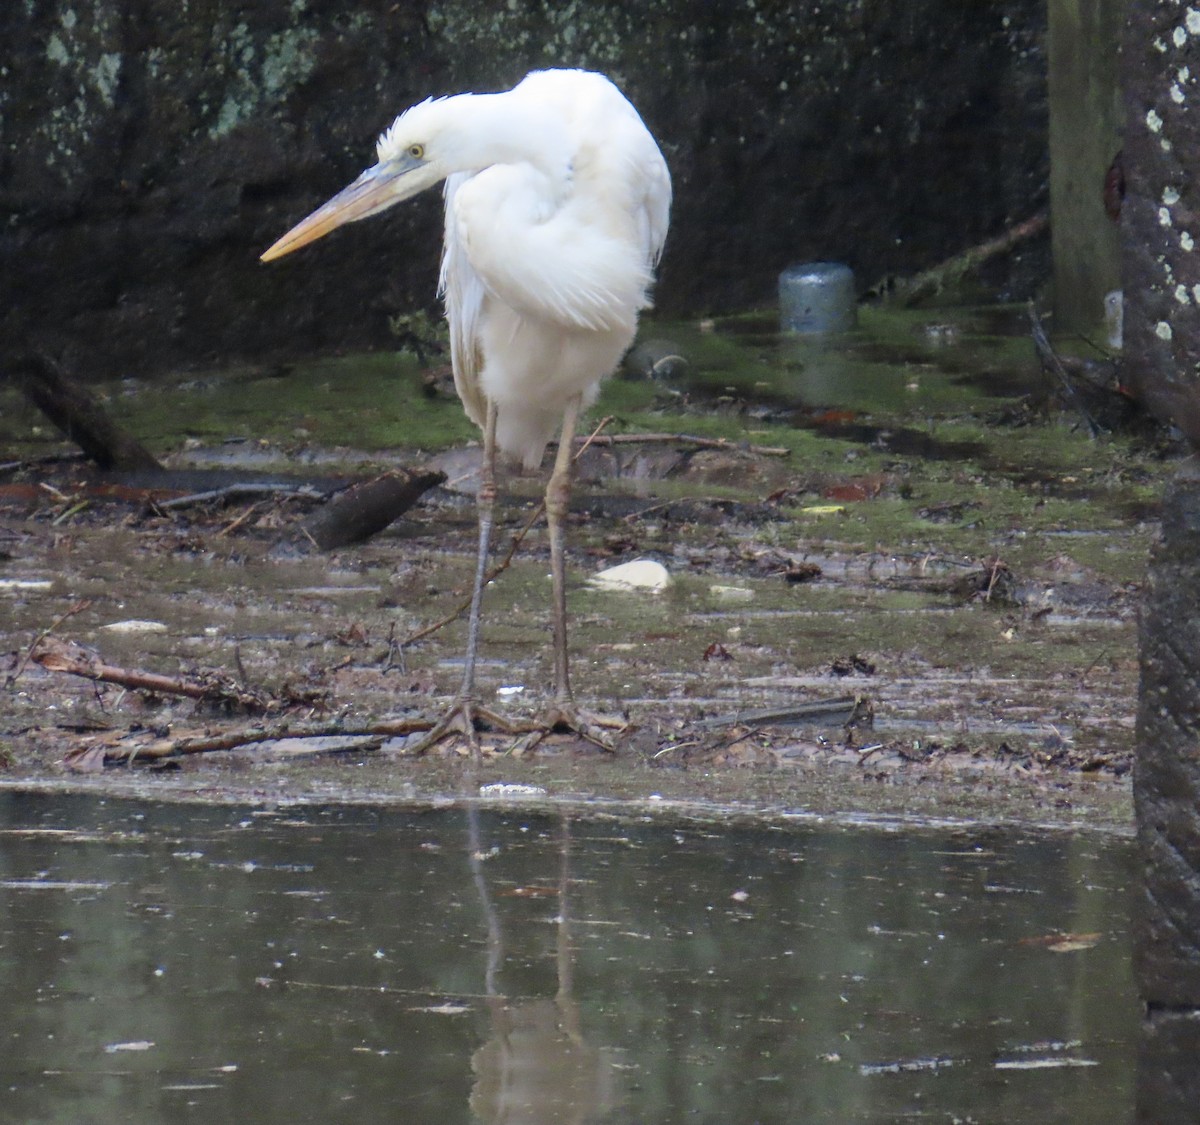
(564, 714)
(485, 506)
(460, 719)
(558, 500)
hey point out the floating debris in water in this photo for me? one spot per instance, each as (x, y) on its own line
(50, 885)
(1042, 1064)
(905, 1066)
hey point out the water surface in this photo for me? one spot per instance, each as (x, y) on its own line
(177, 963)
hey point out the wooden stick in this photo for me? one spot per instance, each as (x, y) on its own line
(85, 756)
(945, 274)
(77, 607)
(55, 656)
(1049, 360)
(366, 508)
(684, 439)
(242, 491)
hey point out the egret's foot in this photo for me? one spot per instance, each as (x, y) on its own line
(463, 721)
(568, 718)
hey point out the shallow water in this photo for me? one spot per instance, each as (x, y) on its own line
(163, 962)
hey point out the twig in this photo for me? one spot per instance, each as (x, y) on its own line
(994, 571)
(230, 528)
(55, 656)
(77, 607)
(684, 439)
(517, 539)
(1049, 358)
(242, 492)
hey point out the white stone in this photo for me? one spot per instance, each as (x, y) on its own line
(26, 584)
(511, 789)
(135, 626)
(731, 593)
(639, 574)
(1114, 318)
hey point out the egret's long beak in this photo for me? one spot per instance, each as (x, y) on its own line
(374, 191)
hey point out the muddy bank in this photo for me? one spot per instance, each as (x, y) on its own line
(908, 523)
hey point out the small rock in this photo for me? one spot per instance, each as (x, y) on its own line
(26, 584)
(731, 593)
(654, 359)
(511, 789)
(134, 626)
(640, 574)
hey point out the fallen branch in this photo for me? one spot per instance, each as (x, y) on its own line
(93, 755)
(947, 274)
(73, 659)
(7, 467)
(841, 711)
(78, 414)
(365, 509)
(248, 491)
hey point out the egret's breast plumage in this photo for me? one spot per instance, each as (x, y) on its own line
(548, 261)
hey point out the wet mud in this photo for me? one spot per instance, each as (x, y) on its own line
(923, 530)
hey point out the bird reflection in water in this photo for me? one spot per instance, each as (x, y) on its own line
(537, 1068)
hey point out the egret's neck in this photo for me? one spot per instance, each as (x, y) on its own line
(509, 129)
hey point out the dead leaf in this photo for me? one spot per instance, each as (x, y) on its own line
(86, 759)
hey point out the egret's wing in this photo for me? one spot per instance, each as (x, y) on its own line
(644, 179)
(463, 291)
(655, 212)
(613, 148)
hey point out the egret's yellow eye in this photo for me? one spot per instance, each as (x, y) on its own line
(417, 152)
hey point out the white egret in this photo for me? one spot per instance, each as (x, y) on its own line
(557, 202)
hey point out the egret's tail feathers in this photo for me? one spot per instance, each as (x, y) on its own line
(524, 434)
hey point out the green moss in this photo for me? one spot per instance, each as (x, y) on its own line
(1025, 494)
(367, 402)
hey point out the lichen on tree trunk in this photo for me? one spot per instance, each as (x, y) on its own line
(1161, 278)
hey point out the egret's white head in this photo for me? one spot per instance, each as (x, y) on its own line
(432, 140)
(419, 149)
